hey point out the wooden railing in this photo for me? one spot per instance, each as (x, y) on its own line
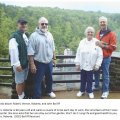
(11, 76)
(7, 70)
(114, 64)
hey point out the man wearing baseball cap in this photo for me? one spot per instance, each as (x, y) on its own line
(18, 56)
(108, 44)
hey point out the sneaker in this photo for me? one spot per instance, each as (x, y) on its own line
(105, 95)
(91, 95)
(79, 94)
(52, 95)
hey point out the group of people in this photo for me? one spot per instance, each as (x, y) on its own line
(94, 54)
(37, 53)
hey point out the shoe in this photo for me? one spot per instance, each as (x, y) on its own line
(79, 94)
(91, 95)
(52, 95)
(105, 95)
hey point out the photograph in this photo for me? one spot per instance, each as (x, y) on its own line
(68, 49)
(65, 50)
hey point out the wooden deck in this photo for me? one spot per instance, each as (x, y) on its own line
(72, 95)
(5, 93)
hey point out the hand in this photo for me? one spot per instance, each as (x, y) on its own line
(54, 62)
(33, 68)
(78, 67)
(100, 44)
(96, 67)
(19, 68)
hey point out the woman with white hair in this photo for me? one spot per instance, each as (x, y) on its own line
(89, 57)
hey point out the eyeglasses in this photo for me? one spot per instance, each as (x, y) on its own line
(90, 32)
(44, 24)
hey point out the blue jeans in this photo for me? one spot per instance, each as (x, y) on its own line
(86, 81)
(42, 70)
(105, 74)
(97, 77)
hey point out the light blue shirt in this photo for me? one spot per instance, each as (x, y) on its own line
(41, 46)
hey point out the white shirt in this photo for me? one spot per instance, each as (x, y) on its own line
(13, 51)
(88, 54)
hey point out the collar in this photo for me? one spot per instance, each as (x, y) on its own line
(41, 32)
(106, 31)
(20, 32)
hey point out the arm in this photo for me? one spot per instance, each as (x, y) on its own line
(77, 58)
(112, 45)
(31, 52)
(32, 64)
(54, 56)
(53, 47)
(14, 54)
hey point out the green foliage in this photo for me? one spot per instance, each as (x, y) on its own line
(67, 26)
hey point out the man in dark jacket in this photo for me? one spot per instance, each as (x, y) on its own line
(18, 56)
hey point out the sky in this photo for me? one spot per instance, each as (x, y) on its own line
(108, 6)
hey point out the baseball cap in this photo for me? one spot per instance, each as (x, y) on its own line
(22, 21)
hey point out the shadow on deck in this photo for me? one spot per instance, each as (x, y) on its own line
(5, 93)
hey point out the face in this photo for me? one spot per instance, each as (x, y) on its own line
(103, 24)
(90, 35)
(22, 27)
(43, 25)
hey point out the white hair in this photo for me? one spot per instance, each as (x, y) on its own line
(42, 19)
(89, 29)
(102, 18)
